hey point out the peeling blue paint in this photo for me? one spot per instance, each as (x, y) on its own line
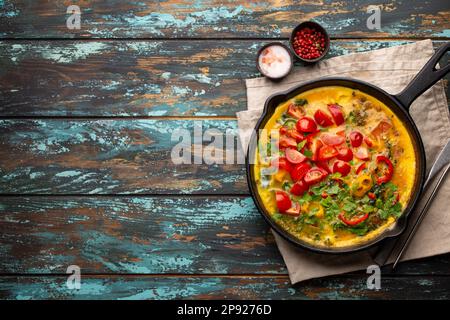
(155, 22)
(9, 14)
(444, 33)
(166, 75)
(35, 175)
(68, 173)
(8, 10)
(201, 78)
(213, 15)
(146, 294)
(65, 55)
(425, 282)
(180, 91)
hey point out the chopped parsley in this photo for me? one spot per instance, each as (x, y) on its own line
(301, 145)
(308, 153)
(300, 102)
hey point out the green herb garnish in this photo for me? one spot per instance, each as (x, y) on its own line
(300, 101)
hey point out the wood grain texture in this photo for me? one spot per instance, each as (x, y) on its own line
(201, 235)
(203, 238)
(134, 78)
(224, 19)
(147, 235)
(248, 287)
(110, 157)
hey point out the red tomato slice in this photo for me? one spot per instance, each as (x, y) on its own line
(382, 128)
(362, 153)
(294, 156)
(327, 152)
(306, 124)
(315, 175)
(299, 171)
(361, 168)
(299, 188)
(336, 113)
(281, 164)
(345, 154)
(283, 201)
(312, 136)
(323, 165)
(295, 135)
(356, 138)
(294, 211)
(368, 141)
(331, 139)
(342, 167)
(294, 111)
(323, 118)
(315, 146)
(287, 142)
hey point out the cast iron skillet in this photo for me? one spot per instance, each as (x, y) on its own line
(399, 104)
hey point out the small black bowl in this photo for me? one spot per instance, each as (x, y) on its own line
(273, 44)
(312, 25)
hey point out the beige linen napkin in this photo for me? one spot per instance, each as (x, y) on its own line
(391, 69)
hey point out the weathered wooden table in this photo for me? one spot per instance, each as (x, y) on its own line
(85, 172)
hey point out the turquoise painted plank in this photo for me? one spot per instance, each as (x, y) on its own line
(147, 235)
(245, 287)
(193, 18)
(134, 78)
(111, 157)
(143, 235)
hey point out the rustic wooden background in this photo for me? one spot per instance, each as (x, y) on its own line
(85, 171)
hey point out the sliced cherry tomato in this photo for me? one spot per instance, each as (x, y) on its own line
(315, 175)
(283, 130)
(382, 128)
(356, 138)
(327, 152)
(281, 164)
(342, 167)
(315, 146)
(354, 221)
(361, 168)
(371, 196)
(331, 139)
(362, 153)
(322, 118)
(283, 201)
(306, 124)
(299, 188)
(324, 195)
(294, 156)
(341, 133)
(336, 113)
(299, 171)
(287, 142)
(294, 111)
(293, 211)
(345, 154)
(295, 135)
(323, 165)
(388, 173)
(368, 141)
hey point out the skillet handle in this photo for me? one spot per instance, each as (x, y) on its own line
(426, 77)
